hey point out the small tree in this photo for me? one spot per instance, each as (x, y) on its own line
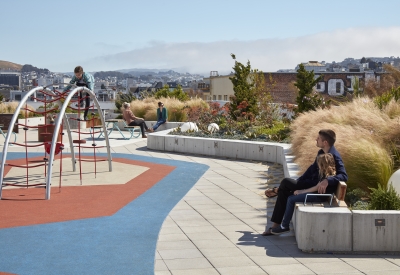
(243, 87)
(355, 82)
(177, 93)
(307, 99)
(267, 110)
(163, 92)
(121, 98)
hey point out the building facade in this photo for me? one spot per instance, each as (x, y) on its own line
(282, 89)
(11, 79)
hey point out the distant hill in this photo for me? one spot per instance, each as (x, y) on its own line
(5, 65)
(142, 71)
(119, 75)
(29, 68)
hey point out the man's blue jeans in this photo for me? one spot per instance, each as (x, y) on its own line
(292, 201)
(158, 124)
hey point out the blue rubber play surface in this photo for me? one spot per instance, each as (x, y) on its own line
(123, 243)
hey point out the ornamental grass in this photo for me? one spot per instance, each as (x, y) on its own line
(177, 110)
(364, 138)
(11, 107)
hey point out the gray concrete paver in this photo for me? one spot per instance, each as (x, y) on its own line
(170, 254)
(373, 265)
(213, 243)
(248, 270)
(386, 272)
(175, 245)
(162, 272)
(202, 271)
(160, 265)
(231, 261)
(264, 260)
(195, 263)
(288, 269)
(334, 267)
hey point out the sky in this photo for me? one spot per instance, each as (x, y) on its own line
(195, 36)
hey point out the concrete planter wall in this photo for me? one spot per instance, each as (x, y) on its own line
(236, 149)
(376, 230)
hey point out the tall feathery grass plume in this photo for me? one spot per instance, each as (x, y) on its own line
(364, 134)
(11, 107)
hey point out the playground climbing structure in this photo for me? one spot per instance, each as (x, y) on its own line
(55, 105)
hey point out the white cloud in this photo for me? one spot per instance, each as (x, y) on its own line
(264, 54)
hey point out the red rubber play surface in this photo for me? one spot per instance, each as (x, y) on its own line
(27, 206)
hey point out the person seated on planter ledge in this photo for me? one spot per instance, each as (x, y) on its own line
(132, 120)
(162, 115)
(310, 179)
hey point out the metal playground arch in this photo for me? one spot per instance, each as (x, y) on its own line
(63, 99)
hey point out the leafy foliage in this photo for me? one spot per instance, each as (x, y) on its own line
(357, 91)
(384, 198)
(308, 99)
(244, 102)
(230, 128)
(384, 99)
(355, 195)
(121, 98)
(177, 93)
(267, 110)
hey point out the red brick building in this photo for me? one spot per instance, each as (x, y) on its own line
(333, 84)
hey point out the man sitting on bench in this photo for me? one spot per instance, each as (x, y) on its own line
(311, 178)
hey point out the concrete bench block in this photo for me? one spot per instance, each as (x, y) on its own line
(376, 230)
(323, 228)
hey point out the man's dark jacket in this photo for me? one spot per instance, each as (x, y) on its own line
(310, 178)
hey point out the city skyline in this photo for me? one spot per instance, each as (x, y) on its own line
(195, 36)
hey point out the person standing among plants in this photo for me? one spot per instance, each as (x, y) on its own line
(132, 120)
(310, 179)
(162, 115)
(82, 79)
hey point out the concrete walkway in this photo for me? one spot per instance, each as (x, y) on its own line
(215, 228)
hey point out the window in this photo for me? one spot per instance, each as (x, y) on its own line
(225, 97)
(318, 86)
(214, 97)
(338, 87)
(220, 97)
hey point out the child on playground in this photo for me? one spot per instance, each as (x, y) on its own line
(327, 168)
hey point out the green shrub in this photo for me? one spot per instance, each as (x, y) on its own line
(278, 131)
(360, 205)
(177, 93)
(384, 198)
(121, 98)
(355, 195)
(385, 98)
